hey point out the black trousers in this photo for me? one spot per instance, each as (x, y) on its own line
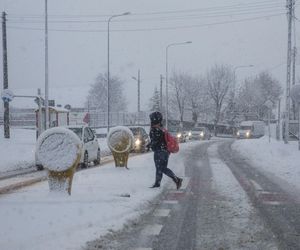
(161, 158)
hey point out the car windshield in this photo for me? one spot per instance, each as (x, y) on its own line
(77, 131)
(246, 127)
(198, 129)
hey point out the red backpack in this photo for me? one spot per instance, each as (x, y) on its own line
(171, 141)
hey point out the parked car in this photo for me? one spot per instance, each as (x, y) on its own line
(179, 134)
(91, 149)
(251, 129)
(141, 139)
(200, 133)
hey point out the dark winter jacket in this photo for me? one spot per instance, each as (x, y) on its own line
(157, 137)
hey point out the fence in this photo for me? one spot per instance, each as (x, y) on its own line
(99, 119)
(21, 118)
(27, 118)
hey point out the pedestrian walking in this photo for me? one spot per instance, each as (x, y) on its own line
(159, 147)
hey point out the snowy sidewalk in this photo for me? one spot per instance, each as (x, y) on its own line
(278, 160)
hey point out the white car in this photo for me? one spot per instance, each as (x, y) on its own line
(91, 149)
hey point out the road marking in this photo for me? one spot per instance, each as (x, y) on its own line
(162, 212)
(170, 202)
(142, 248)
(256, 186)
(272, 198)
(176, 192)
(152, 229)
(272, 203)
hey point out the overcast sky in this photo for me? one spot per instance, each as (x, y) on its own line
(235, 32)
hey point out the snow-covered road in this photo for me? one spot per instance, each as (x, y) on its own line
(211, 211)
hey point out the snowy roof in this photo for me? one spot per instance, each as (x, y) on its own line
(56, 109)
(249, 123)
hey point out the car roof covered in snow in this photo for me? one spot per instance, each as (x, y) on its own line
(249, 123)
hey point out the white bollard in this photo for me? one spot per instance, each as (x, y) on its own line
(120, 142)
(59, 150)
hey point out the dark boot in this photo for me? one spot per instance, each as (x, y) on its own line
(178, 182)
(155, 185)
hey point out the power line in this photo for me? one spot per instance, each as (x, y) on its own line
(246, 6)
(185, 17)
(155, 29)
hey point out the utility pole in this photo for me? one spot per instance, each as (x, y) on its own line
(139, 91)
(160, 93)
(46, 68)
(294, 78)
(290, 7)
(139, 96)
(5, 76)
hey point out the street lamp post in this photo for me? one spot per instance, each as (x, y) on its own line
(138, 79)
(46, 68)
(108, 72)
(167, 91)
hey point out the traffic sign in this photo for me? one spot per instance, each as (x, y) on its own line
(7, 95)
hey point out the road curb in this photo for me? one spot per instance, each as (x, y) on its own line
(13, 187)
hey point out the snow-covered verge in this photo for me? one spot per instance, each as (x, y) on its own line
(102, 199)
(276, 158)
(18, 152)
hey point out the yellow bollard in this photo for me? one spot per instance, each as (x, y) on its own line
(120, 141)
(59, 150)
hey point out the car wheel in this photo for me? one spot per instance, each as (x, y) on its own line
(97, 161)
(85, 162)
(39, 167)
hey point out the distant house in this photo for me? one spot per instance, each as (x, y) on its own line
(57, 117)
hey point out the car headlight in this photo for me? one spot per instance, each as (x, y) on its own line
(238, 133)
(248, 133)
(179, 135)
(137, 142)
(201, 134)
(190, 133)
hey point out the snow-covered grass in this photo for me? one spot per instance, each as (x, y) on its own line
(276, 158)
(35, 219)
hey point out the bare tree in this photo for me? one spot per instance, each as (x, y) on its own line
(255, 92)
(178, 98)
(220, 80)
(198, 101)
(97, 97)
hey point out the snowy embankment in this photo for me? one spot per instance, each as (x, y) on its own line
(277, 159)
(18, 152)
(102, 199)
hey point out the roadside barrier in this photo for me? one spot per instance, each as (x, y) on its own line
(59, 150)
(120, 142)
